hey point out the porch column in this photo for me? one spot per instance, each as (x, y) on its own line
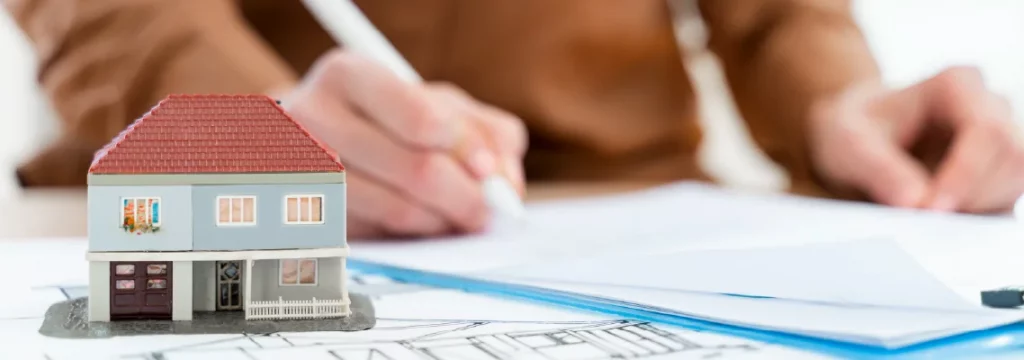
(247, 275)
(99, 291)
(181, 290)
(344, 288)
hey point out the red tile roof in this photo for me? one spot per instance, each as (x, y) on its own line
(194, 134)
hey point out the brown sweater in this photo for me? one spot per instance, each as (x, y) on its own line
(601, 84)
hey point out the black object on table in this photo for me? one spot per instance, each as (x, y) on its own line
(1008, 297)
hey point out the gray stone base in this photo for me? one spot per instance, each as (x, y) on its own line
(70, 319)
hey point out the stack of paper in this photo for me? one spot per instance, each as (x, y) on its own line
(866, 292)
(804, 267)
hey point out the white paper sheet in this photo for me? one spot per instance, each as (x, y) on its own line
(625, 240)
(873, 326)
(866, 272)
(412, 322)
(688, 216)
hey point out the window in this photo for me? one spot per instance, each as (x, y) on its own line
(304, 209)
(125, 284)
(156, 269)
(140, 215)
(156, 284)
(298, 272)
(124, 270)
(236, 210)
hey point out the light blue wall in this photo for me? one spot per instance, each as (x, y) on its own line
(270, 231)
(266, 282)
(106, 234)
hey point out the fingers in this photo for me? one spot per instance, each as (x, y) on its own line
(952, 99)
(999, 147)
(860, 142)
(428, 179)
(510, 138)
(957, 97)
(404, 110)
(472, 144)
(1003, 185)
(501, 132)
(981, 170)
(856, 147)
(438, 117)
(416, 153)
(390, 212)
(886, 173)
(504, 130)
(968, 163)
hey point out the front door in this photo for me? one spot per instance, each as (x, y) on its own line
(140, 290)
(229, 285)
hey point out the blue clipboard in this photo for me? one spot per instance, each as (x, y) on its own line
(1002, 342)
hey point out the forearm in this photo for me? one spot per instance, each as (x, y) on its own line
(780, 57)
(103, 63)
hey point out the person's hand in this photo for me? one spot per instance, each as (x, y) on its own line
(414, 154)
(947, 144)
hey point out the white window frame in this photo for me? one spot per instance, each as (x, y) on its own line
(298, 272)
(230, 198)
(149, 212)
(299, 197)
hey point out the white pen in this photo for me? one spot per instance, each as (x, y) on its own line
(347, 24)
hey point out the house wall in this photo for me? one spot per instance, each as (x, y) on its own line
(267, 279)
(99, 291)
(270, 231)
(105, 232)
(204, 283)
(181, 291)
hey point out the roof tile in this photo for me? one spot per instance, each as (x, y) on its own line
(192, 134)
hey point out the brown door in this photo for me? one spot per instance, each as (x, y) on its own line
(140, 290)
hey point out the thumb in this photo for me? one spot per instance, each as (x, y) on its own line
(887, 173)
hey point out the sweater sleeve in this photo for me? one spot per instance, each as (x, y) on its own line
(779, 56)
(104, 63)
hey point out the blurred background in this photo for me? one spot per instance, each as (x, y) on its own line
(912, 39)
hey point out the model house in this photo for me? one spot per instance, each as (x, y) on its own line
(216, 203)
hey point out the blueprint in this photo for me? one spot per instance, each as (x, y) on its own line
(414, 322)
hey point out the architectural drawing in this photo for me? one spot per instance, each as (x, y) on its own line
(611, 339)
(532, 335)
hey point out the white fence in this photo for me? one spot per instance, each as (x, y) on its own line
(296, 309)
